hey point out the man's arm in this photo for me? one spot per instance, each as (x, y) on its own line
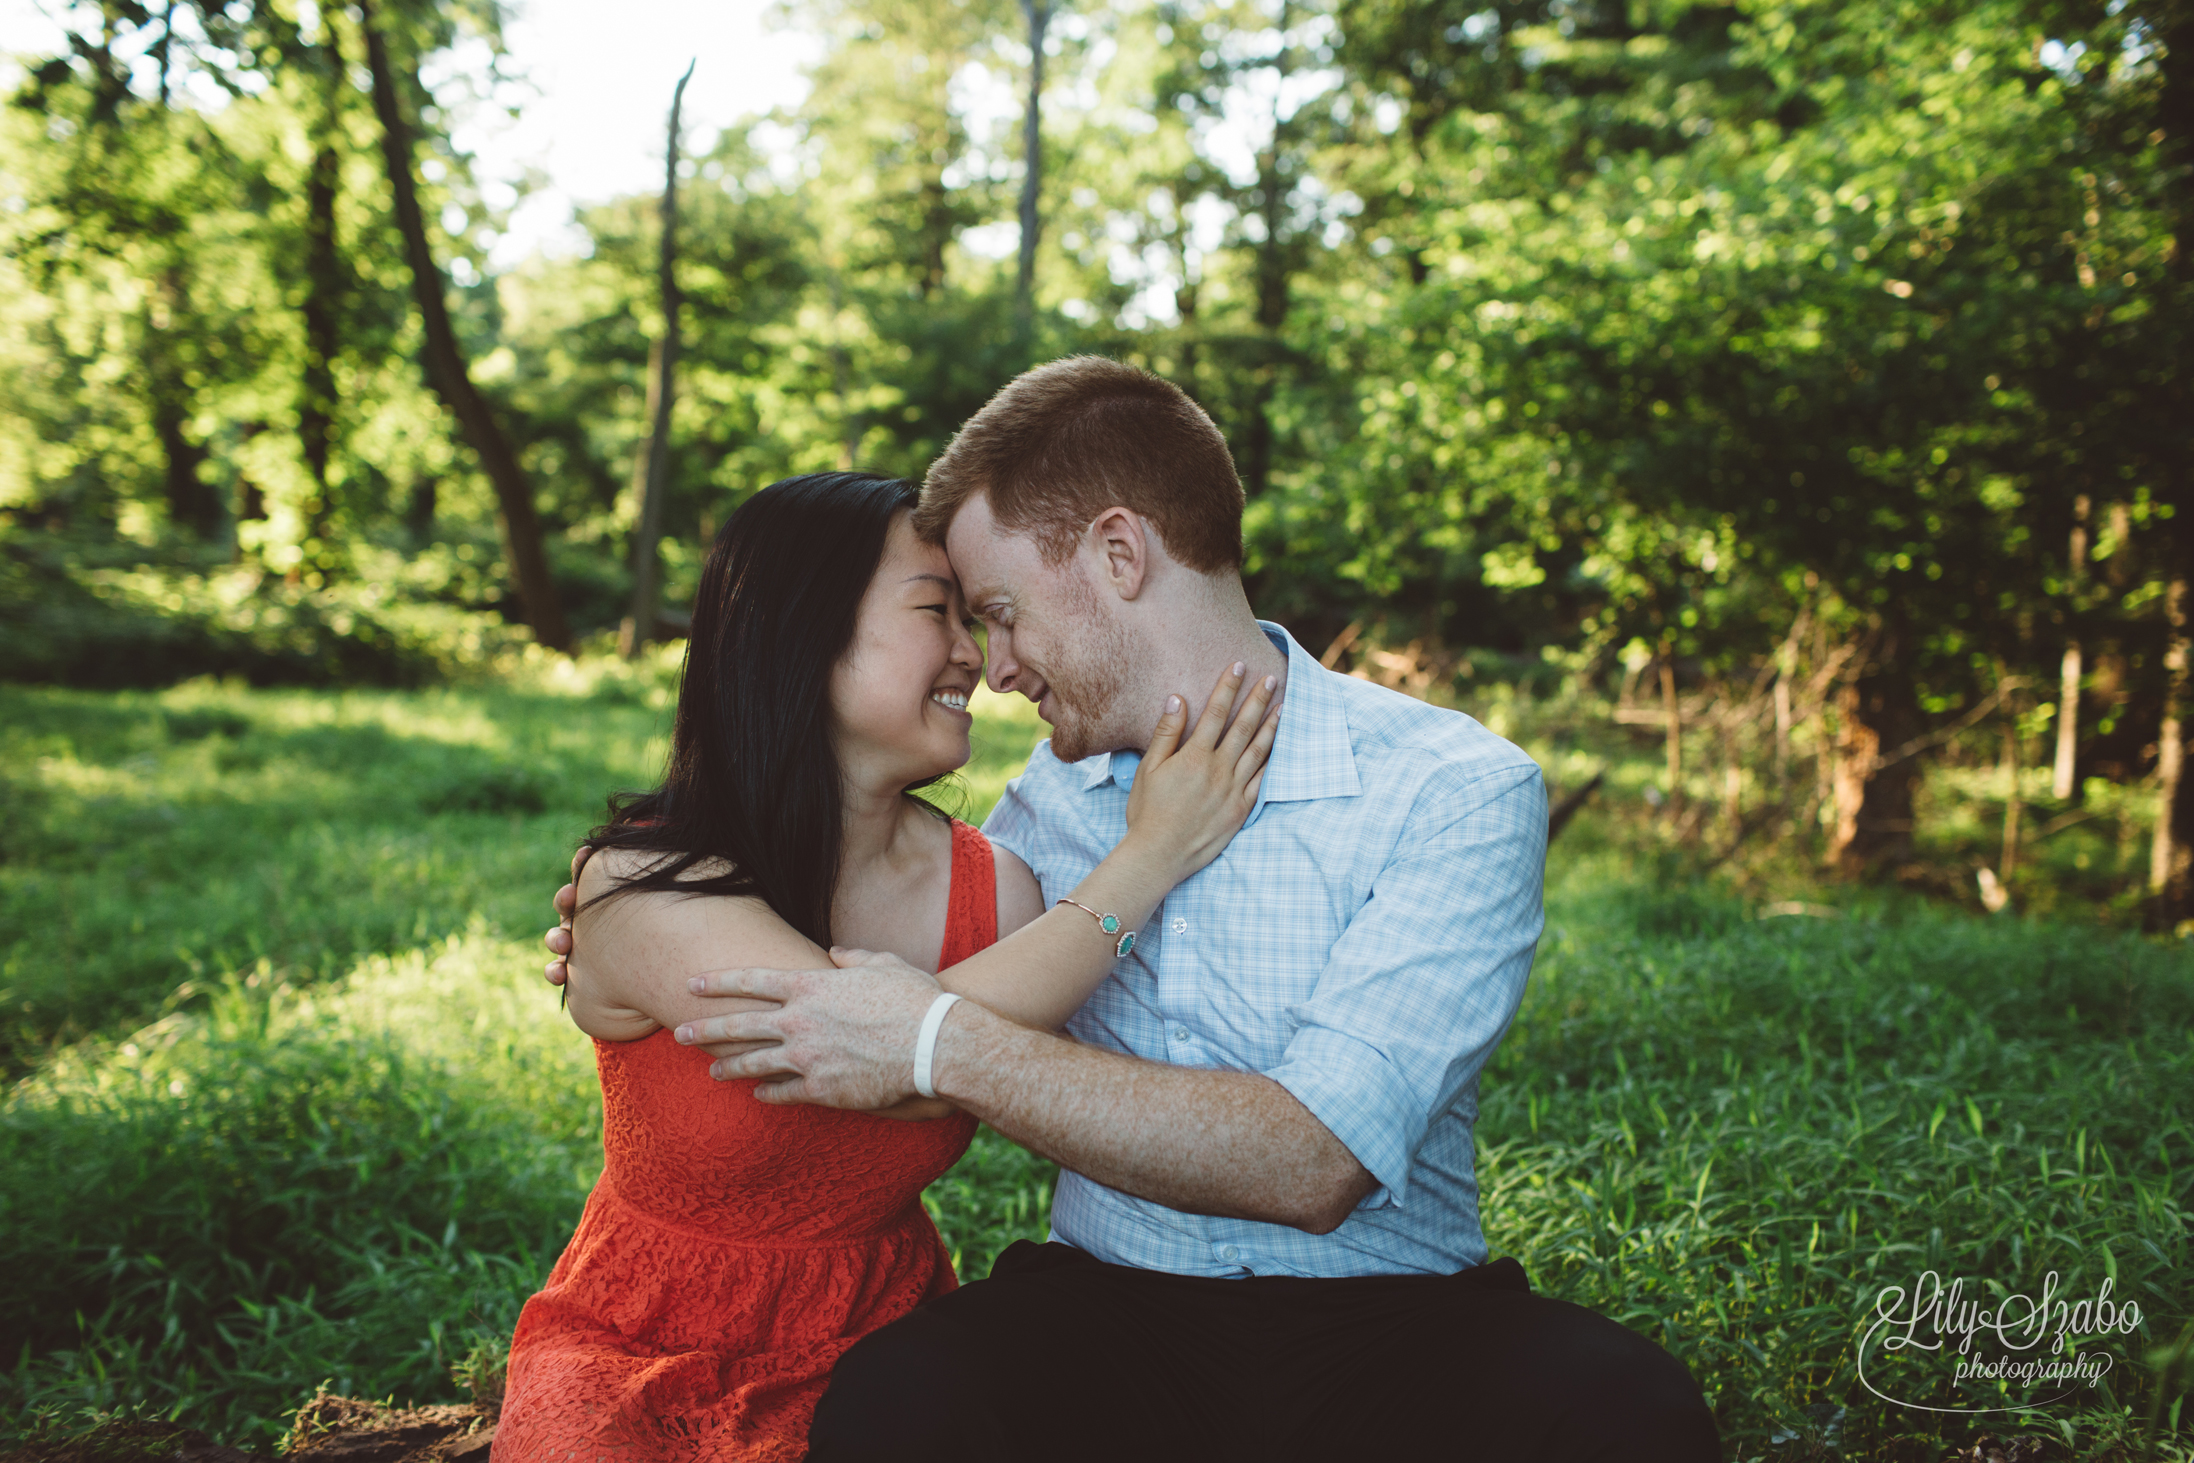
(1204, 1142)
(1413, 999)
(1233, 1144)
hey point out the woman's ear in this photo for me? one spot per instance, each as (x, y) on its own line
(1122, 542)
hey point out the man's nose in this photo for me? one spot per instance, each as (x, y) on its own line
(1002, 668)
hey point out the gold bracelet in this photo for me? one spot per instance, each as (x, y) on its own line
(1110, 924)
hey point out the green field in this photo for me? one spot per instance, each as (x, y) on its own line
(289, 1102)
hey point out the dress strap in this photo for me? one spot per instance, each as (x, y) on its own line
(971, 910)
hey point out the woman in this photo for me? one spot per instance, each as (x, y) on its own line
(731, 1251)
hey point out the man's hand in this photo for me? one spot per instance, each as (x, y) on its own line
(566, 902)
(848, 1043)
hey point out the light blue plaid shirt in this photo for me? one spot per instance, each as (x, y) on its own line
(1363, 942)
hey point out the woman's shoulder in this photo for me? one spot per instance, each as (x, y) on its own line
(632, 955)
(607, 868)
(1019, 897)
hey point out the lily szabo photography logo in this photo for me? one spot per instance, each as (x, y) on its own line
(2008, 1354)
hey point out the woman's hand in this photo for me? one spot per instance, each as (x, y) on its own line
(566, 903)
(1193, 793)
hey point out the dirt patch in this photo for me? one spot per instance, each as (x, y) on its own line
(127, 1441)
(329, 1429)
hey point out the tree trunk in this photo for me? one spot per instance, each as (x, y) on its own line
(1733, 789)
(1877, 716)
(2171, 854)
(191, 502)
(1184, 304)
(937, 219)
(2064, 780)
(2171, 858)
(1675, 725)
(2064, 777)
(639, 625)
(164, 49)
(317, 403)
(1274, 281)
(1783, 714)
(419, 512)
(446, 368)
(1032, 170)
(2009, 863)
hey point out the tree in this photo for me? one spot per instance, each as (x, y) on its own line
(662, 381)
(1032, 162)
(446, 366)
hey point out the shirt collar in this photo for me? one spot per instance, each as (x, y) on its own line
(1311, 758)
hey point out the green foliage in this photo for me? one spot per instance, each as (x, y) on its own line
(156, 844)
(134, 624)
(357, 1128)
(351, 1146)
(356, 1183)
(1548, 326)
(1787, 347)
(1733, 1131)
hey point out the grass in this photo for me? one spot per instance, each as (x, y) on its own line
(289, 1101)
(152, 843)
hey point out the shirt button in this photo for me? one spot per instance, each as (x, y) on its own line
(1180, 1033)
(1228, 1252)
(1180, 925)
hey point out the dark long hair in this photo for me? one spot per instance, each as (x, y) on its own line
(753, 779)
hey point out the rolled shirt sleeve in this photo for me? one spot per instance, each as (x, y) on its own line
(1427, 976)
(1013, 824)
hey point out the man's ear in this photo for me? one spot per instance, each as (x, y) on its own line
(1122, 545)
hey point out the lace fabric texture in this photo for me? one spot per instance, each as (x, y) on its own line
(730, 1252)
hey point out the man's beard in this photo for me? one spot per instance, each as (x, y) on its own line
(1085, 683)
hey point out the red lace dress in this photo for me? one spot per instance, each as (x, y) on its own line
(730, 1252)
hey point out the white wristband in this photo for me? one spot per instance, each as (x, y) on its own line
(925, 1045)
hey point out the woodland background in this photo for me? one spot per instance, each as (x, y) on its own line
(1805, 376)
(1771, 414)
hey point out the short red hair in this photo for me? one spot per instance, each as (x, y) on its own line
(1060, 444)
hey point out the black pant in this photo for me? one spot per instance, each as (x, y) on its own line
(1059, 1355)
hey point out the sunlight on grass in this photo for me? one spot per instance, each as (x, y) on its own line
(293, 1102)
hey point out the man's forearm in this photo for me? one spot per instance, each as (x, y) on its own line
(1233, 1144)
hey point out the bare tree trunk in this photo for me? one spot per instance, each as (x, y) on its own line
(191, 503)
(164, 48)
(850, 425)
(1184, 302)
(1273, 280)
(1878, 716)
(639, 625)
(2009, 863)
(1783, 711)
(1675, 716)
(317, 402)
(2171, 863)
(2064, 780)
(445, 360)
(2171, 855)
(1733, 788)
(1032, 171)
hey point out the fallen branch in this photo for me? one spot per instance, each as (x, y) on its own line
(1935, 739)
(1785, 907)
(2065, 820)
(1567, 808)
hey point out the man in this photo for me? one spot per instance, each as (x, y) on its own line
(1266, 1243)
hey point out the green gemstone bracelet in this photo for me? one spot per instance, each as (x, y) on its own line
(1110, 924)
